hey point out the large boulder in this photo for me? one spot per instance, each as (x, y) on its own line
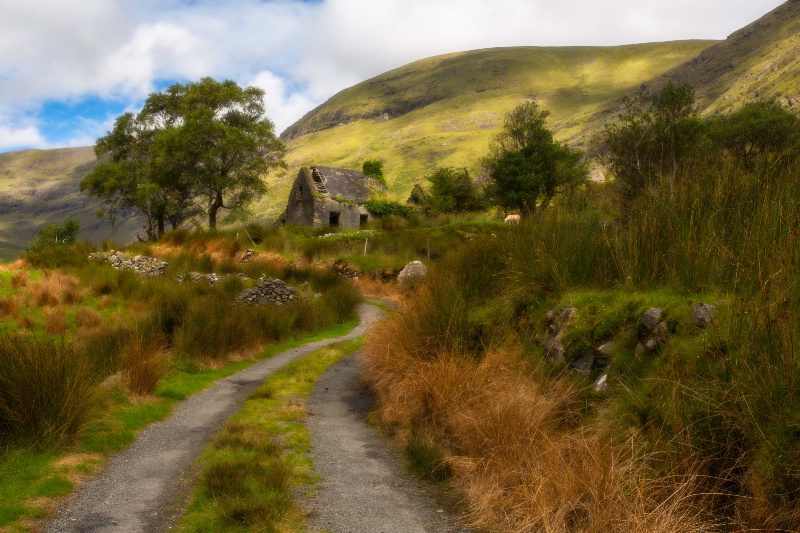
(412, 274)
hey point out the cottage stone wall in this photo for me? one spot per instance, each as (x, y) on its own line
(300, 206)
(307, 207)
(349, 214)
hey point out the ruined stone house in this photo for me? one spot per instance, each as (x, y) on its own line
(325, 196)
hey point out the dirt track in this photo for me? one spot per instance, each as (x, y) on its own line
(146, 486)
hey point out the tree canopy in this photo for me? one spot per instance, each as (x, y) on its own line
(653, 135)
(453, 191)
(199, 146)
(527, 167)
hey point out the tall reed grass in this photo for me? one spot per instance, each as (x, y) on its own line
(46, 390)
(711, 428)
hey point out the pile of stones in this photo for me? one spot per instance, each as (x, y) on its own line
(142, 264)
(267, 291)
(346, 270)
(248, 255)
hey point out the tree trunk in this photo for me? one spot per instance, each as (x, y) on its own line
(213, 207)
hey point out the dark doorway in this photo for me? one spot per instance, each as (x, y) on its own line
(362, 220)
(334, 218)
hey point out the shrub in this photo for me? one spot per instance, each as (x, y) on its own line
(10, 306)
(46, 390)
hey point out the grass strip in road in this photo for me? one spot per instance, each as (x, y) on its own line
(252, 466)
(31, 479)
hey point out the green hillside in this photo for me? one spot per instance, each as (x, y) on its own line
(444, 110)
(760, 61)
(40, 187)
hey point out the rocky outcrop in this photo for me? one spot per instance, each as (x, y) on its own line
(267, 291)
(412, 274)
(142, 264)
(557, 322)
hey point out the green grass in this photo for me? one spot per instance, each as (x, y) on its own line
(254, 466)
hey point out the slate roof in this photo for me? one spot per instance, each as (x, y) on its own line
(349, 184)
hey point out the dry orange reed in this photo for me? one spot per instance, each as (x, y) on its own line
(143, 361)
(519, 458)
(55, 288)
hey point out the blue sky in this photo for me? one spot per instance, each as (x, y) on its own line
(68, 67)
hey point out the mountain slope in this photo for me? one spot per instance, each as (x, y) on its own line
(444, 110)
(41, 187)
(760, 61)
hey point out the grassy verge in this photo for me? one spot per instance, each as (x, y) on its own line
(30, 479)
(252, 465)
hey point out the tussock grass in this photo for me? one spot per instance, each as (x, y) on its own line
(55, 321)
(86, 317)
(10, 306)
(19, 279)
(46, 390)
(143, 363)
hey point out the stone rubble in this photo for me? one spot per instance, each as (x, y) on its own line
(248, 255)
(142, 264)
(267, 291)
(346, 270)
(211, 279)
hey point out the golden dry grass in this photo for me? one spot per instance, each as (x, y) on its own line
(143, 364)
(516, 451)
(55, 321)
(10, 306)
(19, 279)
(53, 289)
(87, 317)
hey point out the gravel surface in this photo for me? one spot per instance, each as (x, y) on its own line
(364, 488)
(146, 487)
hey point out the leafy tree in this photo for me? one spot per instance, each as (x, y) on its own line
(527, 167)
(206, 142)
(55, 235)
(453, 191)
(374, 169)
(652, 137)
(757, 130)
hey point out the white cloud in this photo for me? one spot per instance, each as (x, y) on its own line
(12, 138)
(283, 107)
(301, 53)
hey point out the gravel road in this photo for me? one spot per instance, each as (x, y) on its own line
(364, 488)
(146, 486)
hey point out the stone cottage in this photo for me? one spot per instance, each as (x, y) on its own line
(325, 196)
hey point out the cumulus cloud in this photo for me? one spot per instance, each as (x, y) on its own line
(300, 52)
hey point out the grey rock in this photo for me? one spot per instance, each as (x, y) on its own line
(412, 274)
(601, 385)
(651, 317)
(554, 350)
(703, 314)
(640, 348)
(583, 365)
(604, 353)
(566, 314)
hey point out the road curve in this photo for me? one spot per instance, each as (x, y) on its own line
(145, 487)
